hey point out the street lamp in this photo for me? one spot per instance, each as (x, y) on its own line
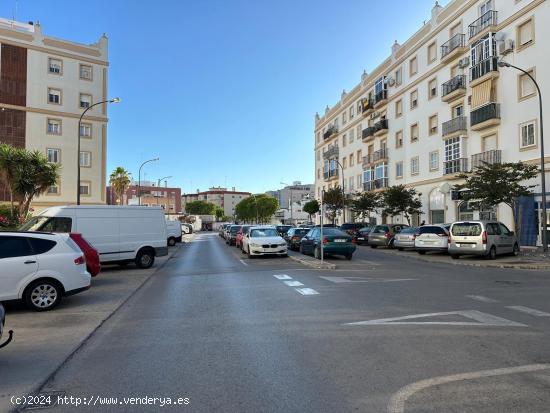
(542, 166)
(343, 193)
(290, 189)
(158, 185)
(115, 100)
(139, 177)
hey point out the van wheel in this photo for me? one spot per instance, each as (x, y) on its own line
(400, 249)
(492, 253)
(515, 251)
(421, 252)
(42, 295)
(171, 241)
(145, 259)
(374, 246)
(455, 257)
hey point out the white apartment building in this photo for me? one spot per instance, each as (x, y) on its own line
(45, 85)
(219, 196)
(440, 105)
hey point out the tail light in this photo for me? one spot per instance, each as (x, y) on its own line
(353, 241)
(414, 236)
(295, 238)
(325, 241)
(484, 237)
(80, 260)
(387, 235)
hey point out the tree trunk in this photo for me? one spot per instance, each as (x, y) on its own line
(517, 226)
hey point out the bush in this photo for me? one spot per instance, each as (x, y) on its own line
(8, 217)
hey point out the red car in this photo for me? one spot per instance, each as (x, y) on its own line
(90, 253)
(242, 232)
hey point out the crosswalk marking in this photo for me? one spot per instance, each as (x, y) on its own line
(482, 299)
(527, 310)
(306, 291)
(293, 283)
(282, 277)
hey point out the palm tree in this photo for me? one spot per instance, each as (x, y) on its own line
(9, 159)
(120, 181)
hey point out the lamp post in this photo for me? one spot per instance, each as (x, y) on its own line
(139, 177)
(343, 193)
(158, 185)
(115, 100)
(542, 166)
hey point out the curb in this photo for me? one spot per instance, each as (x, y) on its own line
(313, 263)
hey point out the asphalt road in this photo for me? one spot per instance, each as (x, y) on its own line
(268, 335)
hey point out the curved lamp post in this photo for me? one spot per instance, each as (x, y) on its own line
(158, 185)
(343, 192)
(115, 100)
(139, 177)
(542, 166)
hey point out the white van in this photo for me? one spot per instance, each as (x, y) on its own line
(120, 234)
(173, 232)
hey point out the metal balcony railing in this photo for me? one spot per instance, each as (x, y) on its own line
(330, 131)
(380, 96)
(488, 19)
(456, 83)
(370, 131)
(456, 165)
(488, 157)
(380, 154)
(454, 125)
(366, 105)
(376, 184)
(483, 67)
(368, 159)
(332, 152)
(458, 40)
(484, 113)
(382, 124)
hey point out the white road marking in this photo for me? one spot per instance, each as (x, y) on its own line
(482, 299)
(340, 280)
(282, 277)
(397, 402)
(306, 291)
(528, 310)
(480, 319)
(293, 283)
(243, 263)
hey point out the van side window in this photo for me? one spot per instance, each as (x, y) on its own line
(57, 224)
(493, 229)
(505, 229)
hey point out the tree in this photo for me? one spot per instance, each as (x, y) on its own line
(311, 207)
(9, 159)
(120, 181)
(400, 200)
(257, 208)
(365, 204)
(219, 213)
(200, 208)
(334, 201)
(492, 184)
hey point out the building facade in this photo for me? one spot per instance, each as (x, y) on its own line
(221, 197)
(295, 193)
(45, 84)
(440, 105)
(151, 195)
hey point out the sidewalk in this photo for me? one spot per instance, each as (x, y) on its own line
(309, 261)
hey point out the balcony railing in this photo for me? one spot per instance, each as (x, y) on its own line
(456, 83)
(484, 113)
(370, 131)
(488, 157)
(382, 124)
(380, 154)
(380, 96)
(458, 40)
(331, 152)
(456, 165)
(366, 105)
(483, 67)
(376, 184)
(487, 20)
(330, 131)
(454, 125)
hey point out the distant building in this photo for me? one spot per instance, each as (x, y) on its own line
(218, 196)
(151, 195)
(295, 192)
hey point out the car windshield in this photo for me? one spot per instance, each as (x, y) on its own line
(263, 232)
(235, 229)
(301, 231)
(466, 229)
(409, 230)
(48, 224)
(431, 230)
(334, 231)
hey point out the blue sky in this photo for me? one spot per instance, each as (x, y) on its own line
(225, 91)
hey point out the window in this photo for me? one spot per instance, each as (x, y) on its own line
(344, 140)
(54, 127)
(358, 131)
(414, 99)
(525, 34)
(86, 72)
(399, 139)
(351, 160)
(318, 137)
(456, 70)
(86, 159)
(351, 183)
(432, 124)
(319, 173)
(399, 169)
(398, 76)
(55, 66)
(359, 181)
(53, 155)
(85, 188)
(452, 155)
(344, 118)
(414, 166)
(456, 29)
(359, 156)
(86, 130)
(344, 162)
(527, 135)
(85, 100)
(414, 132)
(11, 247)
(54, 96)
(413, 66)
(318, 155)
(485, 48)
(351, 135)
(351, 112)
(458, 110)
(53, 190)
(399, 108)
(526, 87)
(485, 6)
(432, 88)
(434, 160)
(432, 52)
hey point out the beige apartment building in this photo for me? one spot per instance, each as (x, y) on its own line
(45, 85)
(219, 196)
(439, 105)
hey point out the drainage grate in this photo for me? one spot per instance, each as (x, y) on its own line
(41, 401)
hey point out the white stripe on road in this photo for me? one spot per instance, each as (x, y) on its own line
(340, 280)
(282, 277)
(243, 263)
(293, 283)
(306, 291)
(482, 299)
(532, 311)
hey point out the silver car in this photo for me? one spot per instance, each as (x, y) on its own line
(405, 239)
(432, 238)
(486, 238)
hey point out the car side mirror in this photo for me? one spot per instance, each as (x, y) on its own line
(511, 233)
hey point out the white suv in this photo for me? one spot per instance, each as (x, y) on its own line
(263, 240)
(40, 268)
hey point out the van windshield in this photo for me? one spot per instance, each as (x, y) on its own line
(466, 229)
(48, 224)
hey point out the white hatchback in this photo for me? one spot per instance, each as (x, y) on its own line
(263, 240)
(39, 268)
(432, 238)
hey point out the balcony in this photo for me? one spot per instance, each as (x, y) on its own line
(455, 166)
(453, 47)
(368, 132)
(488, 157)
(380, 155)
(381, 127)
(367, 106)
(454, 127)
(380, 99)
(332, 152)
(482, 25)
(453, 89)
(376, 184)
(484, 70)
(330, 174)
(485, 116)
(332, 130)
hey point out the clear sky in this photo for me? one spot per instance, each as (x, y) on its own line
(225, 91)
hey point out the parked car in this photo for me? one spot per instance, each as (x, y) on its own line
(432, 238)
(352, 228)
(362, 236)
(226, 231)
(264, 240)
(221, 231)
(173, 232)
(239, 239)
(2, 324)
(294, 236)
(283, 229)
(93, 265)
(120, 234)
(335, 242)
(232, 234)
(487, 238)
(405, 238)
(383, 235)
(186, 228)
(40, 268)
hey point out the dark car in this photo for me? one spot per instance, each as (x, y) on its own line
(283, 229)
(231, 237)
(362, 236)
(2, 323)
(352, 228)
(335, 242)
(294, 236)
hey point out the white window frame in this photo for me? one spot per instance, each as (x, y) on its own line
(526, 125)
(55, 153)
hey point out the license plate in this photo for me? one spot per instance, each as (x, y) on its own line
(339, 240)
(361, 238)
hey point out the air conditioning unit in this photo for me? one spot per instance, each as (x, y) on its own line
(390, 81)
(506, 46)
(464, 62)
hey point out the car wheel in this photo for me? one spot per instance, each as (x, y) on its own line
(455, 257)
(373, 246)
(400, 249)
(421, 252)
(249, 254)
(515, 251)
(302, 250)
(43, 295)
(349, 256)
(242, 250)
(492, 254)
(145, 259)
(390, 245)
(171, 241)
